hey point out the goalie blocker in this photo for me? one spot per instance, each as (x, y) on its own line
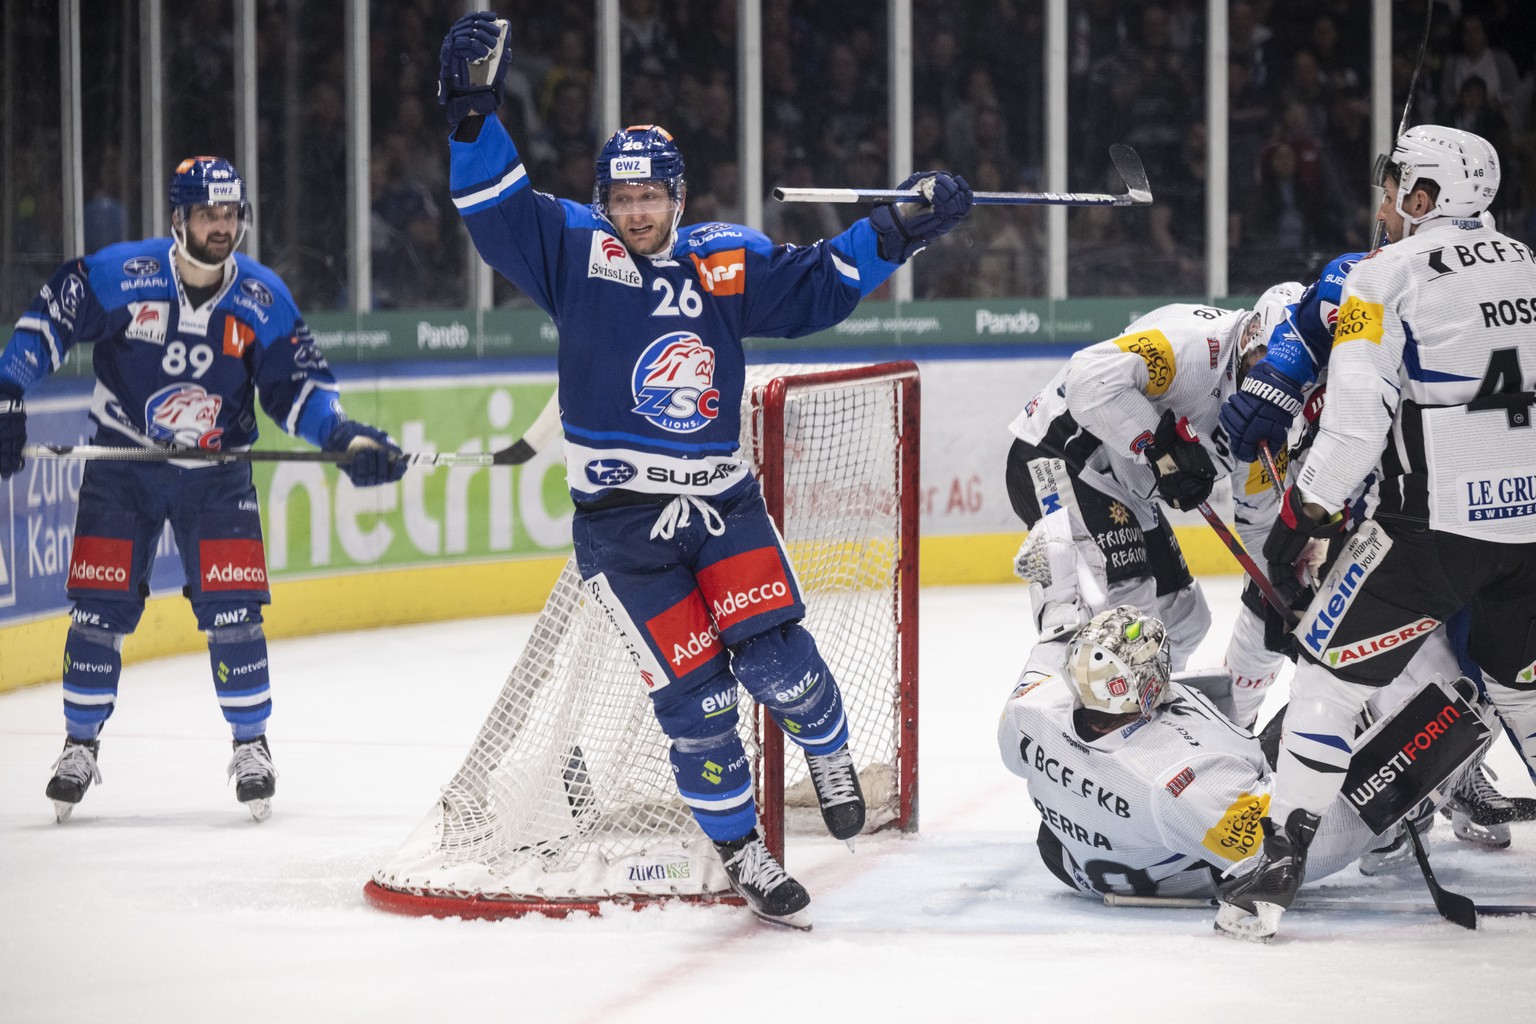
(1412, 754)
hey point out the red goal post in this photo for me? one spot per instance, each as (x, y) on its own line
(565, 801)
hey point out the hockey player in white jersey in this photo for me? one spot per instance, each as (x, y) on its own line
(1432, 384)
(1143, 785)
(1127, 421)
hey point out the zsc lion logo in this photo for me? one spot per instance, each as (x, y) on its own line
(673, 383)
(185, 415)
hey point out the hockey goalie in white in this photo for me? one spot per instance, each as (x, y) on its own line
(1143, 786)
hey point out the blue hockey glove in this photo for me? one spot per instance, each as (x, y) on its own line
(1288, 539)
(473, 63)
(13, 431)
(375, 458)
(905, 229)
(1261, 410)
(1185, 472)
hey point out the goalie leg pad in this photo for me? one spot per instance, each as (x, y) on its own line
(783, 671)
(93, 662)
(1065, 571)
(237, 656)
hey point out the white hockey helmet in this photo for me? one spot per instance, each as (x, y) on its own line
(1119, 662)
(1268, 313)
(1463, 167)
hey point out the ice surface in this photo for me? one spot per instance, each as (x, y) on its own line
(161, 900)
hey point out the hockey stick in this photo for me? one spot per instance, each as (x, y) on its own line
(1245, 560)
(1315, 903)
(512, 455)
(1127, 164)
(1402, 124)
(1272, 468)
(543, 432)
(1452, 906)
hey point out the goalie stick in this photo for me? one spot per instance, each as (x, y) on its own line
(1127, 164)
(544, 431)
(1314, 903)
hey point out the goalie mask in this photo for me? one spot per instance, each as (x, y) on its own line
(207, 181)
(641, 153)
(1459, 170)
(1119, 662)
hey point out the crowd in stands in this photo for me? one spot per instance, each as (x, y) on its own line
(1298, 87)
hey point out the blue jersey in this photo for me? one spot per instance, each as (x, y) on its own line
(168, 373)
(651, 363)
(1299, 345)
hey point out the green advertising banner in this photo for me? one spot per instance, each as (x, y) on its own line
(316, 524)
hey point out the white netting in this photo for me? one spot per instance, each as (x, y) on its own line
(567, 792)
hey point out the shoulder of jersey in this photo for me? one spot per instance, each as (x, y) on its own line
(706, 239)
(261, 285)
(126, 270)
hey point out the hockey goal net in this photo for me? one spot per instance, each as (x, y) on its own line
(566, 800)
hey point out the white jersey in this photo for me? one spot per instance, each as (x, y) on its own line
(1153, 808)
(1431, 376)
(1102, 408)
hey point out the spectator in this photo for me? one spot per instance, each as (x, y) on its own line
(1493, 65)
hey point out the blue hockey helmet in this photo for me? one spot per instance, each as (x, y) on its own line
(206, 181)
(642, 152)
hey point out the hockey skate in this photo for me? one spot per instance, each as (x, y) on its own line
(1251, 903)
(255, 777)
(73, 774)
(759, 879)
(1481, 814)
(838, 792)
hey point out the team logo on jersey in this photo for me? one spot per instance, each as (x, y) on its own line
(256, 291)
(724, 273)
(610, 472)
(610, 260)
(1156, 351)
(1359, 321)
(185, 415)
(141, 266)
(1119, 513)
(673, 383)
(147, 321)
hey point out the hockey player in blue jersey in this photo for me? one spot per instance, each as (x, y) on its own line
(187, 333)
(671, 533)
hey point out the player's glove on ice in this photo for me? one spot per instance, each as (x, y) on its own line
(905, 229)
(1185, 472)
(473, 65)
(1288, 539)
(375, 458)
(13, 431)
(1261, 410)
